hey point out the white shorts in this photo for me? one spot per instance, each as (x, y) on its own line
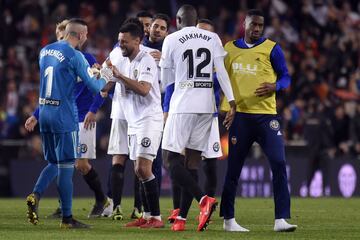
(87, 142)
(118, 141)
(187, 130)
(144, 145)
(214, 146)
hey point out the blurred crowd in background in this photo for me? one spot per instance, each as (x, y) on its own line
(320, 39)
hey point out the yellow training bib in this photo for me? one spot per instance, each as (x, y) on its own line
(247, 69)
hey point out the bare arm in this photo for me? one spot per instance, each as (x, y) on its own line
(142, 88)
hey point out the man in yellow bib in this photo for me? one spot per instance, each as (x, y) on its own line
(257, 69)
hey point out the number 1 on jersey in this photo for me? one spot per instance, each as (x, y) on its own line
(49, 71)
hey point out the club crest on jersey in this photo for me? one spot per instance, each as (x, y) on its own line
(146, 142)
(274, 125)
(233, 140)
(83, 148)
(216, 147)
(136, 73)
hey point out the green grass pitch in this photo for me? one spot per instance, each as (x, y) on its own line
(323, 218)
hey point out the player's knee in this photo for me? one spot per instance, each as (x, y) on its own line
(119, 159)
(193, 159)
(193, 164)
(210, 168)
(82, 166)
(174, 160)
(165, 157)
(143, 172)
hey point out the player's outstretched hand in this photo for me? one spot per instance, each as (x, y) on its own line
(30, 123)
(265, 89)
(95, 69)
(107, 74)
(89, 121)
(97, 66)
(95, 72)
(230, 115)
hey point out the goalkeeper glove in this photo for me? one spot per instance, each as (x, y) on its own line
(107, 74)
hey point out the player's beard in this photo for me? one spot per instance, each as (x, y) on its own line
(126, 52)
(155, 37)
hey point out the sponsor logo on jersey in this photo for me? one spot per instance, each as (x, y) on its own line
(274, 125)
(186, 84)
(47, 101)
(146, 142)
(216, 147)
(195, 84)
(242, 68)
(233, 140)
(200, 84)
(83, 148)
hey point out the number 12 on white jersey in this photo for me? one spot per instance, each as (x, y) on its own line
(189, 56)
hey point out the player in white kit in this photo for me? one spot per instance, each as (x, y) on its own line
(118, 142)
(192, 53)
(213, 151)
(141, 103)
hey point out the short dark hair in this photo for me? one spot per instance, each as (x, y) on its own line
(134, 20)
(144, 14)
(206, 21)
(188, 15)
(164, 17)
(77, 21)
(134, 29)
(255, 12)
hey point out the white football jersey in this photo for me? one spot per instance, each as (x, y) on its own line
(116, 57)
(191, 52)
(149, 50)
(141, 113)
